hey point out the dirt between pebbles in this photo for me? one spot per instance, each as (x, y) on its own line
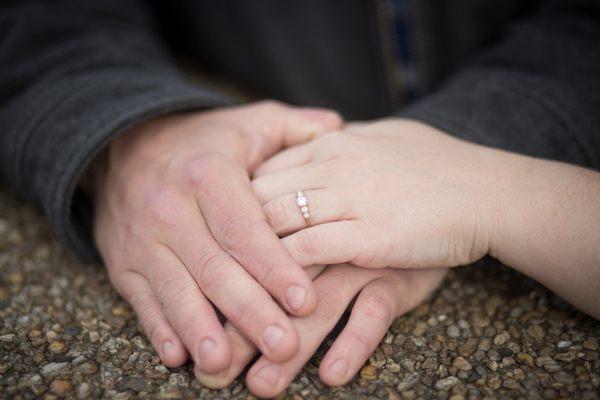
(488, 332)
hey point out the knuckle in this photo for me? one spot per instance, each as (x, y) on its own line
(360, 341)
(152, 323)
(161, 205)
(309, 243)
(169, 290)
(213, 270)
(377, 306)
(276, 211)
(328, 306)
(201, 170)
(236, 233)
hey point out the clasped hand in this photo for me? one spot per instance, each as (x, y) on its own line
(184, 230)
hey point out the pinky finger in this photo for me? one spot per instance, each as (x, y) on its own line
(136, 290)
(376, 307)
(369, 320)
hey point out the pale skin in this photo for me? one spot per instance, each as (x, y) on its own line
(179, 227)
(393, 198)
(398, 193)
(403, 196)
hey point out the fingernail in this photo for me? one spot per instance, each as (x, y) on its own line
(206, 348)
(340, 367)
(272, 336)
(269, 373)
(295, 296)
(167, 345)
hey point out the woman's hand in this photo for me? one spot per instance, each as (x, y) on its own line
(383, 295)
(403, 194)
(392, 193)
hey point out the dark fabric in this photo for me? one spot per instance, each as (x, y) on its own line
(513, 74)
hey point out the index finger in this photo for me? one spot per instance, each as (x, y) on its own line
(237, 222)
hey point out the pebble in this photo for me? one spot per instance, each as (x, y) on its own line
(462, 364)
(368, 372)
(446, 383)
(60, 387)
(8, 338)
(57, 347)
(590, 344)
(453, 331)
(53, 369)
(84, 390)
(536, 331)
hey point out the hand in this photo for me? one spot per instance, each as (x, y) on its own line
(393, 193)
(179, 227)
(383, 295)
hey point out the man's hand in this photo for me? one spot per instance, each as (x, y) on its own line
(179, 228)
(382, 296)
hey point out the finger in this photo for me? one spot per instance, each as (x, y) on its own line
(286, 159)
(237, 222)
(369, 320)
(188, 311)
(335, 243)
(378, 304)
(307, 177)
(319, 121)
(242, 351)
(285, 215)
(336, 287)
(136, 291)
(233, 291)
(272, 125)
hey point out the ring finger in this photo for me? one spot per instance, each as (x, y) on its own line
(289, 213)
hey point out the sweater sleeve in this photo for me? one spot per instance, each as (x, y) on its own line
(535, 92)
(73, 74)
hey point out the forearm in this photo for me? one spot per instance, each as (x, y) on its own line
(548, 226)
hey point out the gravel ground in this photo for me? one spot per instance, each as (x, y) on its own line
(488, 332)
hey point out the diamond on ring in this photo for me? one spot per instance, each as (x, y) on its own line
(302, 202)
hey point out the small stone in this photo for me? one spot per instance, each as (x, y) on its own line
(501, 338)
(446, 383)
(304, 209)
(453, 331)
(505, 352)
(590, 344)
(4, 368)
(57, 346)
(420, 328)
(468, 348)
(137, 384)
(567, 357)
(536, 332)
(87, 368)
(494, 382)
(511, 384)
(53, 369)
(8, 338)
(60, 387)
(34, 334)
(167, 391)
(84, 390)
(368, 372)
(525, 358)
(564, 344)
(462, 364)
(51, 335)
(94, 336)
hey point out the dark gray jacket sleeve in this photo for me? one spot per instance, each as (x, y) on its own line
(73, 74)
(536, 92)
